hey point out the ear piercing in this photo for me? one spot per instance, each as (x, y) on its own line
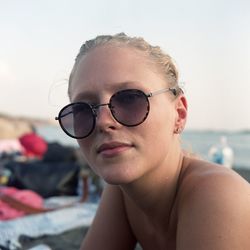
(178, 130)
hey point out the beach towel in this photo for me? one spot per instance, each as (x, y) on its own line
(27, 197)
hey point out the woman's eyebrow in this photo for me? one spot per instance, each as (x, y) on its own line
(130, 84)
(112, 87)
(86, 95)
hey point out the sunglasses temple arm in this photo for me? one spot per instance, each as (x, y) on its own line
(162, 91)
(61, 116)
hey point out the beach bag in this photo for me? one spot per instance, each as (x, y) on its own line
(59, 153)
(45, 178)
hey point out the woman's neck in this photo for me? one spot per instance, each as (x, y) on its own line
(155, 192)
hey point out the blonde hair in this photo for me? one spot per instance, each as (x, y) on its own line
(155, 53)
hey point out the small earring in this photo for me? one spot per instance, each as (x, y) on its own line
(178, 130)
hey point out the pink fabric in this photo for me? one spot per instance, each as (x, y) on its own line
(10, 146)
(25, 196)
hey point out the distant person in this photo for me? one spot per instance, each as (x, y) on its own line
(222, 153)
(34, 145)
(127, 112)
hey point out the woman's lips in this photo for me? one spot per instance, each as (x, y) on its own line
(113, 148)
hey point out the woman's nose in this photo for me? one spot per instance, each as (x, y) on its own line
(105, 119)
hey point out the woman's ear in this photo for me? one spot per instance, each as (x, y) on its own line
(181, 108)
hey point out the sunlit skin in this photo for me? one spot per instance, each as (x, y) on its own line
(98, 80)
(156, 195)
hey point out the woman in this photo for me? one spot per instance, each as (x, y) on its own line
(127, 112)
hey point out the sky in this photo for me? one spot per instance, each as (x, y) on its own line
(208, 39)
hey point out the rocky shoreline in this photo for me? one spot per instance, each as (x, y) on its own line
(12, 127)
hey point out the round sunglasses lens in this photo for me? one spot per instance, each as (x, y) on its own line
(130, 107)
(77, 120)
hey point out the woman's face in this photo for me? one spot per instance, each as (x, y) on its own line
(117, 153)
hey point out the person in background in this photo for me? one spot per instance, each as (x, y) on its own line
(127, 112)
(34, 145)
(222, 153)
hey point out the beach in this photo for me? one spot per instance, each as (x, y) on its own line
(195, 142)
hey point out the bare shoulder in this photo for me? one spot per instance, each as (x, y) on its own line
(215, 203)
(213, 179)
(110, 226)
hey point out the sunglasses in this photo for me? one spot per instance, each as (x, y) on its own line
(129, 107)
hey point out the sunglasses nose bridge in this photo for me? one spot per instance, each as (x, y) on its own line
(103, 115)
(97, 108)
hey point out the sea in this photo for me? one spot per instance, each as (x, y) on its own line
(197, 142)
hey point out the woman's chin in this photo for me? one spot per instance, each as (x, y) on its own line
(118, 173)
(118, 178)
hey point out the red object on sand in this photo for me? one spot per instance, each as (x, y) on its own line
(34, 145)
